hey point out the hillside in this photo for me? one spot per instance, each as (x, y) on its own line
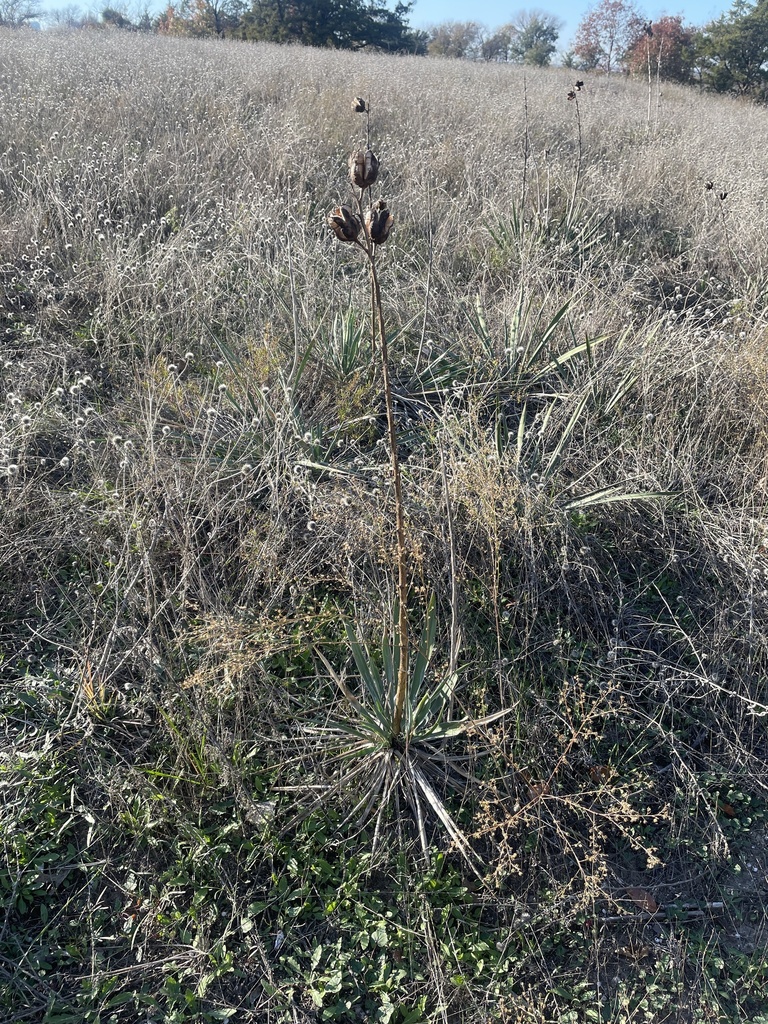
(201, 816)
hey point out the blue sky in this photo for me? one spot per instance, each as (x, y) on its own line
(493, 13)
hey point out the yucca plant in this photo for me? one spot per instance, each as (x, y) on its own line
(390, 742)
(393, 752)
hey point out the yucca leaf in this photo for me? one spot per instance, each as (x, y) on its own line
(423, 654)
(567, 431)
(450, 730)
(607, 495)
(390, 674)
(433, 703)
(377, 722)
(369, 673)
(565, 357)
(521, 433)
(442, 813)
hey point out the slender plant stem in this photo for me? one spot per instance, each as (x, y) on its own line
(369, 248)
(577, 178)
(402, 560)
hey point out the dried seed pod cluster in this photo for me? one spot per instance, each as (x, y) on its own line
(346, 223)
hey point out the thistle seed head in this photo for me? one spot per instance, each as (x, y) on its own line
(345, 224)
(363, 168)
(378, 223)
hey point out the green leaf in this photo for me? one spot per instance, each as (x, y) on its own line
(423, 654)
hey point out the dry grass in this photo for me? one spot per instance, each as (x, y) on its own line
(194, 487)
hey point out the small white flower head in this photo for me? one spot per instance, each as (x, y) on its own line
(210, 411)
(311, 525)
(12, 469)
(246, 468)
(65, 462)
(25, 421)
(166, 431)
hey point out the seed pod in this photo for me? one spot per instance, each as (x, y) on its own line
(378, 223)
(345, 224)
(358, 105)
(363, 168)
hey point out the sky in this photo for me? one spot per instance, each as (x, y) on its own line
(493, 13)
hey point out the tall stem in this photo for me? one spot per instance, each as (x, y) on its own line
(402, 561)
(577, 179)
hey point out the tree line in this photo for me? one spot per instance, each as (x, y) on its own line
(727, 55)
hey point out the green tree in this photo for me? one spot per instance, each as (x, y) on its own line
(735, 50)
(115, 18)
(347, 24)
(532, 37)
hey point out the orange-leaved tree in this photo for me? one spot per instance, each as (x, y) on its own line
(668, 45)
(606, 33)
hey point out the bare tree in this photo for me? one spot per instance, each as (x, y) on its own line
(15, 13)
(65, 17)
(462, 39)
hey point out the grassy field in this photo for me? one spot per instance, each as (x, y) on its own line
(197, 538)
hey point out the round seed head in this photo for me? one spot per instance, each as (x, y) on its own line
(363, 168)
(378, 223)
(345, 224)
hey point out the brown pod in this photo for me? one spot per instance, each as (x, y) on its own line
(363, 168)
(378, 223)
(345, 224)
